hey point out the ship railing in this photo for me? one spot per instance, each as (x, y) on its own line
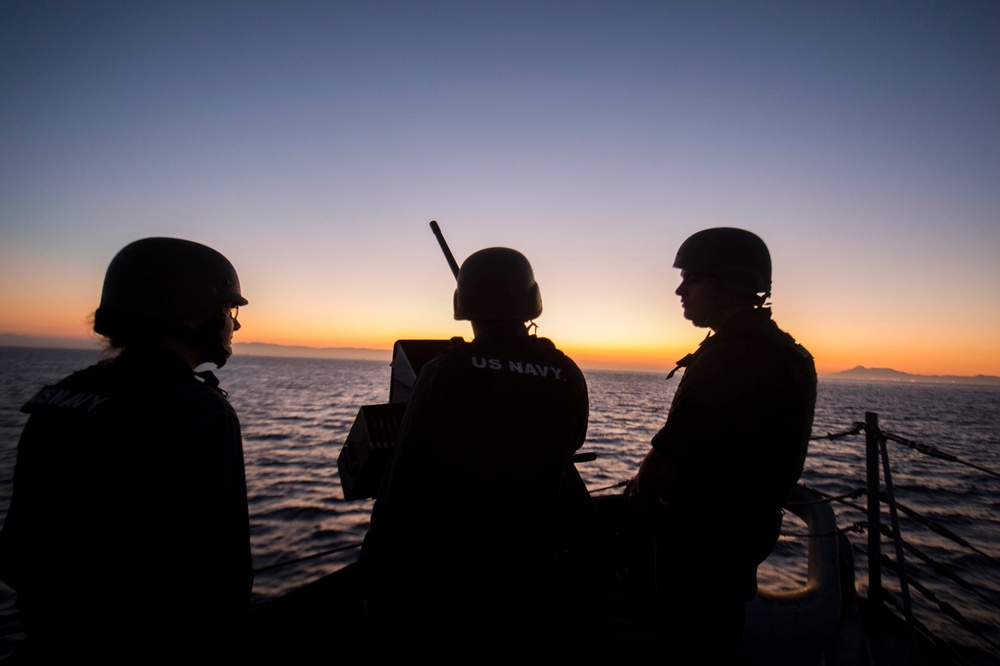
(881, 499)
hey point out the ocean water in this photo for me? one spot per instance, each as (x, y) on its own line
(297, 412)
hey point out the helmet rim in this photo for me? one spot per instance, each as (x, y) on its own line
(169, 278)
(739, 258)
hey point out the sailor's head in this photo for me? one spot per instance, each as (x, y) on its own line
(723, 269)
(497, 284)
(169, 286)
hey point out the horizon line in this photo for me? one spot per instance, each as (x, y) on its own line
(374, 354)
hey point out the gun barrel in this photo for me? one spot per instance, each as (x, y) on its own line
(444, 248)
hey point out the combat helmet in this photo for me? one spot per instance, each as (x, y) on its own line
(169, 278)
(737, 257)
(497, 283)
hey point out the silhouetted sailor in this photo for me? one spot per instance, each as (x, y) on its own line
(127, 538)
(466, 542)
(732, 448)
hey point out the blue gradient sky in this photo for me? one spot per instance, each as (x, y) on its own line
(312, 142)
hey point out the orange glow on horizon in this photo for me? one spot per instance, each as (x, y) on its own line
(832, 355)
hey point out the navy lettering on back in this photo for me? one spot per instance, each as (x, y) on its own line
(518, 367)
(56, 397)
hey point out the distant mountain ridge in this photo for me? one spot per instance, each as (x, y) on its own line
(857, 373)
(351, 353)
(861, 373)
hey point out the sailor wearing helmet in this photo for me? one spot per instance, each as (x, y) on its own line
(713, 483)
(127, 537)
(466, 540)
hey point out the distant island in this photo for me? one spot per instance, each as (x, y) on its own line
(861, 373)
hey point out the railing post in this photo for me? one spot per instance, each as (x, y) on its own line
(874, 510)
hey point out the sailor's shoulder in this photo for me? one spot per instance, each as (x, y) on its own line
(545, 343)
(86, 390)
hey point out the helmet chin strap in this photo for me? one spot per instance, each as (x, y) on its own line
(730, 303)
(718, 311)
(207, 337)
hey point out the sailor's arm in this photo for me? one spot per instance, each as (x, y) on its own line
(656, 476)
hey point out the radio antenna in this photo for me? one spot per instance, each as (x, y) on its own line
(444, 248)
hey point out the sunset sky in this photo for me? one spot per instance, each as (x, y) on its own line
(313, 142)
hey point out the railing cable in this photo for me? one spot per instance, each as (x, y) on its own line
(826, 499)
(279, 565)
(943, 606)
(855, 429)
(936, 527)
(943, 570)
(936, 453)
(886, 596)
(620, 484)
